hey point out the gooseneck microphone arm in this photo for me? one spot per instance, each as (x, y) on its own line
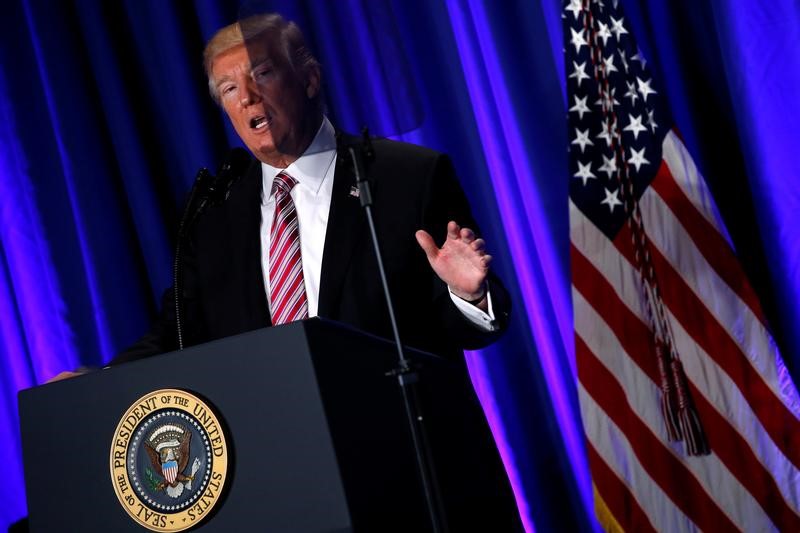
(207, 190)
(407, 377)
(190, 213)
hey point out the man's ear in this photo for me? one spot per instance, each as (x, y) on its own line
(313, 80)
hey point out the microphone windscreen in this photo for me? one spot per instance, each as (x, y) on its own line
(235, 163)
(232, 168)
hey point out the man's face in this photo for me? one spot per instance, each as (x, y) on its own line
(269, 104)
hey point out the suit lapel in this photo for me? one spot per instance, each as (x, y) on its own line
(251, 216)
(343, 232)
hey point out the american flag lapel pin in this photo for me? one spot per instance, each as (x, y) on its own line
(354, 191)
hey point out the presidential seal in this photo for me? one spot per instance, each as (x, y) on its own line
(169, 460)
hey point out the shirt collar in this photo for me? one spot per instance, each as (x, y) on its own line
(310, 168)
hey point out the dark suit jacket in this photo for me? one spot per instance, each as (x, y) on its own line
(413, 188)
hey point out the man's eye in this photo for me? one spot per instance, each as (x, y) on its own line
(227, 89)
(262, 73)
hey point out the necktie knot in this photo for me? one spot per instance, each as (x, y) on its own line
(283, 183)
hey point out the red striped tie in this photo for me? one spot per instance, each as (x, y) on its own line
(286, 283)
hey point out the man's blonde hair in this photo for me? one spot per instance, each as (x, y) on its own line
(268, 26)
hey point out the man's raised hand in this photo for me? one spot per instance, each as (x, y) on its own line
(461, 262)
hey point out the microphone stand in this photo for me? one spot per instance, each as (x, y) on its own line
(407, 377)
(189, 215)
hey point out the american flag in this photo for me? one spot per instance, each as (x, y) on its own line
(691, 418)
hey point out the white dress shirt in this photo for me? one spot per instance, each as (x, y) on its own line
(314, 172)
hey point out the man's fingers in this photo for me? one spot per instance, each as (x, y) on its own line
(427, 244)
(486, 259)
(467, 235)
(478, 245)
(452, 230)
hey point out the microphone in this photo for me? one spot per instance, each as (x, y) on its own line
(207, 190)
(231, 170)
(213, 190)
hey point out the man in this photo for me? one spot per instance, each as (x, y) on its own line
(291, 242)
(264, 77)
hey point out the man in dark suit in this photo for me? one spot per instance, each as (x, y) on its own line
(295, 215)
(268, 83)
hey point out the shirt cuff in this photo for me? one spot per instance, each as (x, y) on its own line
(482, 320)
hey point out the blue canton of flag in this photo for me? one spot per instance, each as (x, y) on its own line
(616, 120)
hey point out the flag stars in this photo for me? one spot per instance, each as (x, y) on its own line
(635, 126)
(637, 158)
(576, 7)
(579, 72)
(607, 100)
(623, 59)
(609, 166)
(578, 40)
(617, 28)
(580, 106)
(608, 133)
(608, 65)
(644, 88)
(612, 200)
(603, 32)
(584, 172)
(632, 94)
(651, 120)
(582, 139)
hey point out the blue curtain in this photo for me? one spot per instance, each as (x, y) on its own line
(105, 119)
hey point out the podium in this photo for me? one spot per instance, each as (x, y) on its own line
(316, 432)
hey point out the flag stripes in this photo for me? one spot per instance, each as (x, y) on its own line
(721, 304)
(649, 250)
(615, 451)
(755, 474)
(706, 237)
(681, 164)
(735, 450)
(620, 503)
(648, 458)
(707, 333)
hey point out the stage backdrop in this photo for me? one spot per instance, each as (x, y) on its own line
(105, 119)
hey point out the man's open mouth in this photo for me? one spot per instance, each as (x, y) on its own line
(259, 122)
